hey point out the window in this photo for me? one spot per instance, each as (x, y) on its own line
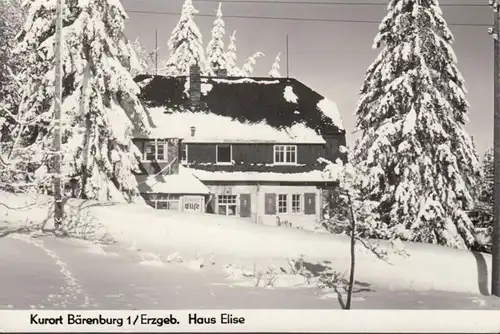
(285, 154)
(226, 205)
(224, 154)
(163, 201)
(184, 154)
(282, 203)
(155, 150)
(296, 203)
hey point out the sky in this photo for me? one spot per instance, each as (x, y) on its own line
(330, 57)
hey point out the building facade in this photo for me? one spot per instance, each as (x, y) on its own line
(245, 147)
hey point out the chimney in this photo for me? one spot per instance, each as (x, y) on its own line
(193, 131)
(221, 73)
(194, 84)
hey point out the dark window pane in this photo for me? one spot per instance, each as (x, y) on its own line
(223, 153)
(222, 210)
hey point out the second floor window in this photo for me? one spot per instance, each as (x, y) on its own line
(155, 150)
(285, 154)
(224, 154)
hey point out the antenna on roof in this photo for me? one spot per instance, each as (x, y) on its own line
(156, 51)
(287, 59)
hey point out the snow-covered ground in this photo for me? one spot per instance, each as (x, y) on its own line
(53, 273)
(221, 252)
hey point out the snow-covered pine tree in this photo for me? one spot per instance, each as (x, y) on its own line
(248, 67)
(232, 69)
(101, 109)
(215, 49)
(185, 43)
(487, 185)
(11, 23)
(419, 162)
(275, 69)
(145, 60)
(12, 20)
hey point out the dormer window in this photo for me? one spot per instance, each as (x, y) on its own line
(285, 154)
(224, 154)
(155, 150)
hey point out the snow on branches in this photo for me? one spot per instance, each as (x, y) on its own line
(232, 68)
(216, 59)
(275, 69)
(101, 109)
(185, 43)
(418, 162)
(251, 61)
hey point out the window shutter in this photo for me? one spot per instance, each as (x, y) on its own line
(270, 204)
(310, 203)
(245, 208)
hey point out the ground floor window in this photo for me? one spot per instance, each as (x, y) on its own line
(296, 203)
(163, 201)
(226, 205)
(282, 203)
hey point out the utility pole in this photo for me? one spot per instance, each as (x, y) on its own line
(495, 266)
(58, 205)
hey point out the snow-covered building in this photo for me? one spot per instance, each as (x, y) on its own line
(247, 147)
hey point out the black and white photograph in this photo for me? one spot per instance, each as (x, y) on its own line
(297, 155)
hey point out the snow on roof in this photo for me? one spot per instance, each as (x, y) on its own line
(312, 176)
(182, 183)
(215, 128)
(330, 109)
(246, 80)
(280, 103)
(289, 95)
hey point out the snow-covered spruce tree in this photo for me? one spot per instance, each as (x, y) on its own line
(230, 56)
(145, 63)
(11, 23)
(100, 105)
(275, 69)
(251, 61)
(419, 163)
(215, 49)
(12, 20)
(185, 43)
(485, 200)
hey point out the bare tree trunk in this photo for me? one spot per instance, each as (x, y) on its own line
(353, 254)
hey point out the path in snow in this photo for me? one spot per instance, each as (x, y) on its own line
(114, 278)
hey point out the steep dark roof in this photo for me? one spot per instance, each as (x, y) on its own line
(250, 100)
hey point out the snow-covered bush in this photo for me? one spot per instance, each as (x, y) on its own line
(81, 224)
(346, 195)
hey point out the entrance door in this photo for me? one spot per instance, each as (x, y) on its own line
(245, 207)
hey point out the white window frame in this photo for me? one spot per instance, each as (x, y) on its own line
(156, 142)
(175, 199)
(283, 149)
(293, 208)
(230, 162)
(227, 203)
(184, 160)
(279, 202)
